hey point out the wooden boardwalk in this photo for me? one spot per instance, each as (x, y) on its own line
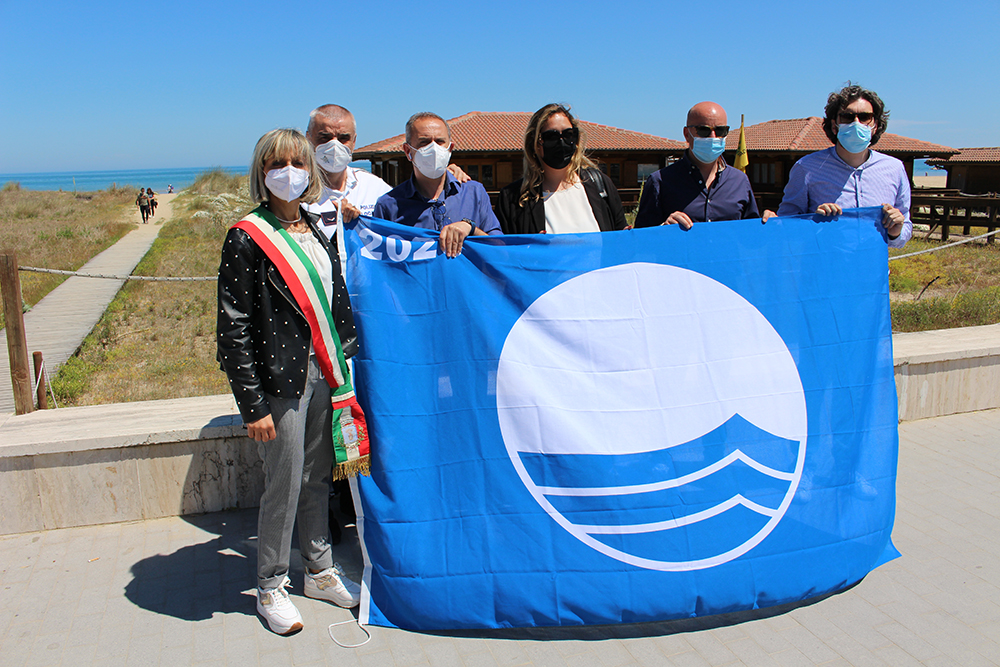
(57, 324)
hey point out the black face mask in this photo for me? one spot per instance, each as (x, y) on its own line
(559, 149)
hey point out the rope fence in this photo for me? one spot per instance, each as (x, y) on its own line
(923, 252)
(36, 269)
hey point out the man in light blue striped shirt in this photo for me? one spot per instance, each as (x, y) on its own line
(850, 174)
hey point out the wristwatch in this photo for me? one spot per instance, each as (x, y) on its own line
(473, 230)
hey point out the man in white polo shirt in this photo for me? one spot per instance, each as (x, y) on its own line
(347, 192)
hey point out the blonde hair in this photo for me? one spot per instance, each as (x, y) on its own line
(283, 143)
(531, 186)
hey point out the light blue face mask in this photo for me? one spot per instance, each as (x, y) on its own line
(708, 149)
(854, 137)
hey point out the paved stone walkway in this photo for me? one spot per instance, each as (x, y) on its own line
(179, 592)
(57, 324)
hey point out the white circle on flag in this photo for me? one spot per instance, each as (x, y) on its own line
(638, 359)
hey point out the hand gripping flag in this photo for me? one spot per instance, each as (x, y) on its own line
(621, 427)
(350, 430)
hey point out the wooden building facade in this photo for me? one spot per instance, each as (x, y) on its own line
(974, 171)
(488, 146)
(774, 146)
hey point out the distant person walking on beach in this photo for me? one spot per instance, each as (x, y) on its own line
(285, 329)
(142, 201)
(152, 201)
(849, 174)
(170, 189)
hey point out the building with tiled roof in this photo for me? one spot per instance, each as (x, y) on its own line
(972, 170)
(488, 145)
(775, 145)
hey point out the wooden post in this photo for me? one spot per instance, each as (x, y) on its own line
(993, 222)
(43, 398)
(17, 346)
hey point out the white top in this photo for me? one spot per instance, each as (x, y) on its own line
(362, 189)
(568, 211)
(315, 251)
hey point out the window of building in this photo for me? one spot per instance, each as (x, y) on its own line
(615, 173)
(763, 174)
(645, 171)
(487, 179)
(472, 170)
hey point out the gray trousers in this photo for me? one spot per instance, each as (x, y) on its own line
(297, 467)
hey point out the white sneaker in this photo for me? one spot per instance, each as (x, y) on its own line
(279, 612)
(333, 586)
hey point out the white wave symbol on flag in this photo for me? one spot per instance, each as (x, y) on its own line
(622, 392)
(684, 504)
(735, 500)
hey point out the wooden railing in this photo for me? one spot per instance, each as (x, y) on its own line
(942, 212)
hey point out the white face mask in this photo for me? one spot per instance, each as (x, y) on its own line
(333, 156)
(287, 183)
(431, 160)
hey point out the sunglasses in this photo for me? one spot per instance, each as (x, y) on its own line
(849, 116)
(569, 135)
(705, 131)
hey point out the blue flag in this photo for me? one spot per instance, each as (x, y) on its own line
(622, 427)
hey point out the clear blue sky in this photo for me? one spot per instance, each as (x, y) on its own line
(123, 85)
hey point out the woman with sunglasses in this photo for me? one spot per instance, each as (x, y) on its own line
(284, 330)
(562, 192)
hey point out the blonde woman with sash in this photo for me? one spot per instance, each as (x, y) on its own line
(285, 329)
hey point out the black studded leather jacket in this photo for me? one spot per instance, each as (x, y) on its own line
(262, 335)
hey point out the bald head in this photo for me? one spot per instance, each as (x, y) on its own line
(706, 113)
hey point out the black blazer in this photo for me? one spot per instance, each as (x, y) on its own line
(530, 218)
(262, 335)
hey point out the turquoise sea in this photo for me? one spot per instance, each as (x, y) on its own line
(920, 168)
(87, 181)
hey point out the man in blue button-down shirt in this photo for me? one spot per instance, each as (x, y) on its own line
(850, 174)
(432, 198)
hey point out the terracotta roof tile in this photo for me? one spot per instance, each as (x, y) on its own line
(806, 135)
(488, 131)
(971, 156)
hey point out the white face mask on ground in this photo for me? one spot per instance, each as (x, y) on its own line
(333, 156)
(287, 183)
(431, 160)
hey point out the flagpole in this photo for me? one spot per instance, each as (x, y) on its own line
(741, 162)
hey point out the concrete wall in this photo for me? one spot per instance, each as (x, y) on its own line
(125, 462)
(133, 461)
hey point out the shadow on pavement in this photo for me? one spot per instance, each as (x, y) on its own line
(197, 581)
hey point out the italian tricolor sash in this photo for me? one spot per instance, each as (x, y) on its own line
(350, 431)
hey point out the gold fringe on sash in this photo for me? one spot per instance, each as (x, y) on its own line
(358, 466)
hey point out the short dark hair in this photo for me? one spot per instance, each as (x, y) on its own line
(424, 115)
(838, 101)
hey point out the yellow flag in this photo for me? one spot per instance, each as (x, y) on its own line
(741, 162)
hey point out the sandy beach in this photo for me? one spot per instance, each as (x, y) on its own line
(934, 181)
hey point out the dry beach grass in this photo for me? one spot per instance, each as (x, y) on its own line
(157, 340)
(59, 230)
